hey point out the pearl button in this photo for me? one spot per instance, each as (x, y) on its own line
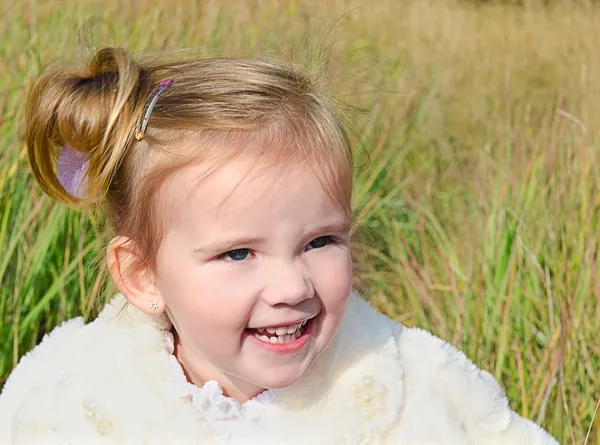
(89, 404)
(368, 397)
(380, 390)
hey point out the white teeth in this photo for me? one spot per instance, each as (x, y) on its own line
(291, 333)
(281, 331)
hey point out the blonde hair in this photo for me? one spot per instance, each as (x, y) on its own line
(268, 109)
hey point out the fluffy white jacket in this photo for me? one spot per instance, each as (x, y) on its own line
(114, 381)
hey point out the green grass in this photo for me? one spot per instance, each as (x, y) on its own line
(477, 187)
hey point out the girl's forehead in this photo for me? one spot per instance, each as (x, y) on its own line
(212, 190)
(242, 175)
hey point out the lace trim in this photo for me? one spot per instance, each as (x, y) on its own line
(209, 399)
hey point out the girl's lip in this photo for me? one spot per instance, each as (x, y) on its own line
(286, 348)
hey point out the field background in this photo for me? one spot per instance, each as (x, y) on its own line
(477, 190)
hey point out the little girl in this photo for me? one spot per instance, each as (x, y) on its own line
(227, 185)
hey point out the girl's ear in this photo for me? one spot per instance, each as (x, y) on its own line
(137, 283)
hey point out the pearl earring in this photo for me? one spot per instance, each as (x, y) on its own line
(154, 305)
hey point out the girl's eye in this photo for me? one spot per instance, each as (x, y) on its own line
(235, 255)
(319, 242)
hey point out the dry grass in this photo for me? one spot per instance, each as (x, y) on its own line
(477, 192)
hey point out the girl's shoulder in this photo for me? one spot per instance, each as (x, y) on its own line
(44, 381)
(457, 393)
(37, 366)
(87, 380)
(473, 393)
(73, 345)
(455, 390)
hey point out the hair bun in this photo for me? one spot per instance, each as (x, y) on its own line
(91, 110)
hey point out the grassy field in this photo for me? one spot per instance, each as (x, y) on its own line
(477, 187)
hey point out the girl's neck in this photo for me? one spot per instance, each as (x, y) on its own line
(199, 372)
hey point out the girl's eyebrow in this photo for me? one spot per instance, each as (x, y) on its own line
(239, 243)
(329, 228)
(226, 245)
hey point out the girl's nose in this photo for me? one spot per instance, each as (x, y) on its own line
(288, 283)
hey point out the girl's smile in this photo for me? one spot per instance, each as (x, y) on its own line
(283, 339)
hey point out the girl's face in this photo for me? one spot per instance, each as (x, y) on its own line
(255, 272)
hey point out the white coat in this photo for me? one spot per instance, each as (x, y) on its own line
(116, 381)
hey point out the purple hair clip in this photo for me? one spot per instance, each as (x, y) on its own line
(73, 165)
(139, 134)
(72, 171)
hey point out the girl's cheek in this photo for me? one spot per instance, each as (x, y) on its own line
(338, 261)
(332, 277)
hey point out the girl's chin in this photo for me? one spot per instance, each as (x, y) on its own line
(282, 381)
(282, 376)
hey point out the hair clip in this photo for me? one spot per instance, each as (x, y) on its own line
(72, 171)
(141, 128)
